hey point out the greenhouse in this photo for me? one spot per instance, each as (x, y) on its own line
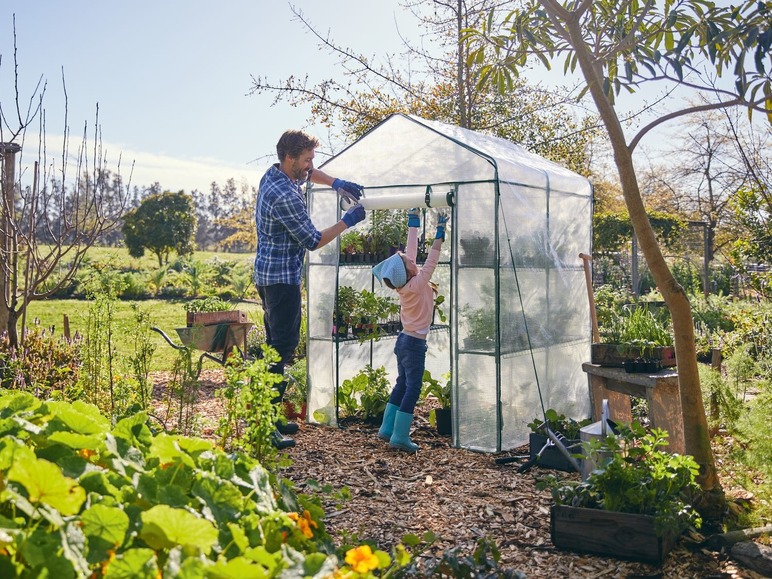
(516, 325)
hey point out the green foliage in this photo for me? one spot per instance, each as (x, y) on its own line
(164, 222)
(637, 326)
(723, 407)
(558, 423)
(433, 387)
(250, 417)
(613, 231)
(83, 498)
(142, 356)
(210, 304)
(635, 476)
(44, 364)
(366, 394)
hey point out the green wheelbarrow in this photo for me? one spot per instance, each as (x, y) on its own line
(216, 341)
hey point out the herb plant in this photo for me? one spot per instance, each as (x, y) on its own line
(558, 423)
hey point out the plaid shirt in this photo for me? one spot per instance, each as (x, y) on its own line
(284, 230)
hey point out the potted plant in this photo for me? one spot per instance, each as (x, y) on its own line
(635, 506)
(477, 249)
(351, 246)
(346, 305)
(295, 394)
(634, 334)
(365, 395)
(439, 417)
(212, 310)
(388, 231)
(565, 428)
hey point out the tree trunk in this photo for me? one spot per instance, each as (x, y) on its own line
(697, 437)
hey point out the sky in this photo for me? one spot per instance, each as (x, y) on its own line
(171, 77)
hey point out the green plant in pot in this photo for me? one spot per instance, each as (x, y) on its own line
(365, 395)
(635, 334)
(439, 417)
(295, 394)
(351, 244)
(567, 429)
(636, 478)
(346, 305)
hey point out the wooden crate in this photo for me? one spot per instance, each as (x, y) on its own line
(621, 535)
(212, 318)
(615, 355)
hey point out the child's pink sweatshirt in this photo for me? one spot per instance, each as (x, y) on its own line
(416, 297)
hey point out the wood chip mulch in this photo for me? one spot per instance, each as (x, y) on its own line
(457, 494)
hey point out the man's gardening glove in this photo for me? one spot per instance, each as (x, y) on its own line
(442, 219)
(414, 217)
(354, 215)
(348, 190)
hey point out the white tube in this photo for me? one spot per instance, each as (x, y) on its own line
(400, 201)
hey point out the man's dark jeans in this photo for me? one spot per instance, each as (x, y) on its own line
(281, 317)
(411, 360)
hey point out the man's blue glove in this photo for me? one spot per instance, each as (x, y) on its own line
(414, 217)
(354, 215)
(348, 190)
(442, 219)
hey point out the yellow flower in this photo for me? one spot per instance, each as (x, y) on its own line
(305, 523)
(362, 559)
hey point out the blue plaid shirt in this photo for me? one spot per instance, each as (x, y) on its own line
(284, 230)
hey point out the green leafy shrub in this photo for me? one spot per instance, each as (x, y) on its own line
(366, 394)
(45, 365)
(636, 476)
(558, 423)
(82, 498)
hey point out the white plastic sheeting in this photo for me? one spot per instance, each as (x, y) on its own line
(519, 324)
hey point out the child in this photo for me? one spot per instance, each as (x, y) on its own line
(416, 300)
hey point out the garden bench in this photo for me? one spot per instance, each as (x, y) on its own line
(660, 390)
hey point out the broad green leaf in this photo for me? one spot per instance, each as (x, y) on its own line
(108, 523)
(133, 564)
(18, 402)
(80, 417)
(77, 441)
(166, 449)
(164, 527)
(237, 568)
(134, 430)
(46, 484)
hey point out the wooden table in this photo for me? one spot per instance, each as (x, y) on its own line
(660, 390)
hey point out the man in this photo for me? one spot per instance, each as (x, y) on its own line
(284, 233)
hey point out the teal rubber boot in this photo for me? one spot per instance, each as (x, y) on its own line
(387, 426)
(400, 438)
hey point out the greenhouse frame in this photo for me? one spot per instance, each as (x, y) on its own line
(518, 323)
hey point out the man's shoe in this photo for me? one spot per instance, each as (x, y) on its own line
(287, 427)
(281, 442)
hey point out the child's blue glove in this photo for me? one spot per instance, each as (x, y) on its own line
(414, 217)
(442, 219)
(354, 215)
(348, 190)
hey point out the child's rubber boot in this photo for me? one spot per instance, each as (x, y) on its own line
(387, 426)
(400, 438)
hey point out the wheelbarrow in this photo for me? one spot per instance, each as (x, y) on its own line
(216, 341)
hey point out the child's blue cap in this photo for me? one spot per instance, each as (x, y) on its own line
(392, 268)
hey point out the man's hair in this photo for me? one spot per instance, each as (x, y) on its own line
(294, 142)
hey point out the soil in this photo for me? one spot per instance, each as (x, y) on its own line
(459, 495)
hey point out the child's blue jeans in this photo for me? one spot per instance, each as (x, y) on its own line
(411, 360)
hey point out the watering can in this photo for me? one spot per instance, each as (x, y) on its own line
(596, 431)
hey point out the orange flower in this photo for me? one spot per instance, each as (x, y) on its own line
(362, 559)
(86, 453)
(305, 523)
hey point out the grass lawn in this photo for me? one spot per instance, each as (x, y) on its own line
(166, 315)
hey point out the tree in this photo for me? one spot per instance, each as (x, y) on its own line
(48, 225)
(620, 45)
(162, 223)
(538, 119)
